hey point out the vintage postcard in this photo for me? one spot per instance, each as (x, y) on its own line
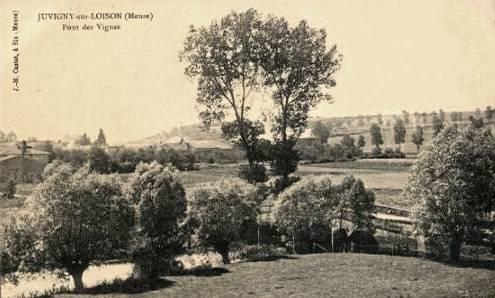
(285, 148)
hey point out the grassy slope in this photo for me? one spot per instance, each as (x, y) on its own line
(332, 275)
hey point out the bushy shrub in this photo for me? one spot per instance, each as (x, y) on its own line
(376, 151)
(387, 153)
(340, 240)
(10, 190)
(280, 184)
(263, 252)
(253, 174)
(363, 241)
(21, 251)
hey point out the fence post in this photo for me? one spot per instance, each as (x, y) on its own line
(333, 245)
(293, 245)
(258, 236)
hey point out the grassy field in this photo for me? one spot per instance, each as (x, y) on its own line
(328, 275)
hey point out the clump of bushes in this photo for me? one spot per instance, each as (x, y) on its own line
(263, 252)
(253, 174)
(363, 241)
(377, 152)
(302, 212)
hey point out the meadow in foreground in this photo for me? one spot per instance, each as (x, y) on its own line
(328, 275)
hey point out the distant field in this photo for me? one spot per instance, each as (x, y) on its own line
(385, 177)
(397, 164)
(329, 275)
(210, 174)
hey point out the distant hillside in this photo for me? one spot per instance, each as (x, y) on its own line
(195, 135)
(359, 125)
(198, 137)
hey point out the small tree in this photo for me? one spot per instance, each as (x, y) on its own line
(437, 125)
(83, 140)
(321, 132)
(361, 142)
(219, 211)
(488, 113)
(361, 203)
(452, 186)
(424, 116)
(417, 137)
(453, 116)
(161, 206)
(376, 135)
(101, 140)
(405, 116)
(399, 132)
(441, 115)
(77, 218)
(98, 160)
(348, 143)
(379, 119)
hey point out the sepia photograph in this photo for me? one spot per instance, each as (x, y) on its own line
(284, 148)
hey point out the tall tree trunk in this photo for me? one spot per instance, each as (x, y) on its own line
(223, 250)
(455, 250)
(78, 282)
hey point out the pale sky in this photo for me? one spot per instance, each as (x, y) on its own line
(415, 55)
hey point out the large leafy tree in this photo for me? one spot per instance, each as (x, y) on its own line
(75, 218)
(161, 204)
(452, 185)
(219, 210)
(223, 58)
(299, 69)
(305, 207)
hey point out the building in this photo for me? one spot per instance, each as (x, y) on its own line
(21, 164)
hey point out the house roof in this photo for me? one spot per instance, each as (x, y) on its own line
(11, 149)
